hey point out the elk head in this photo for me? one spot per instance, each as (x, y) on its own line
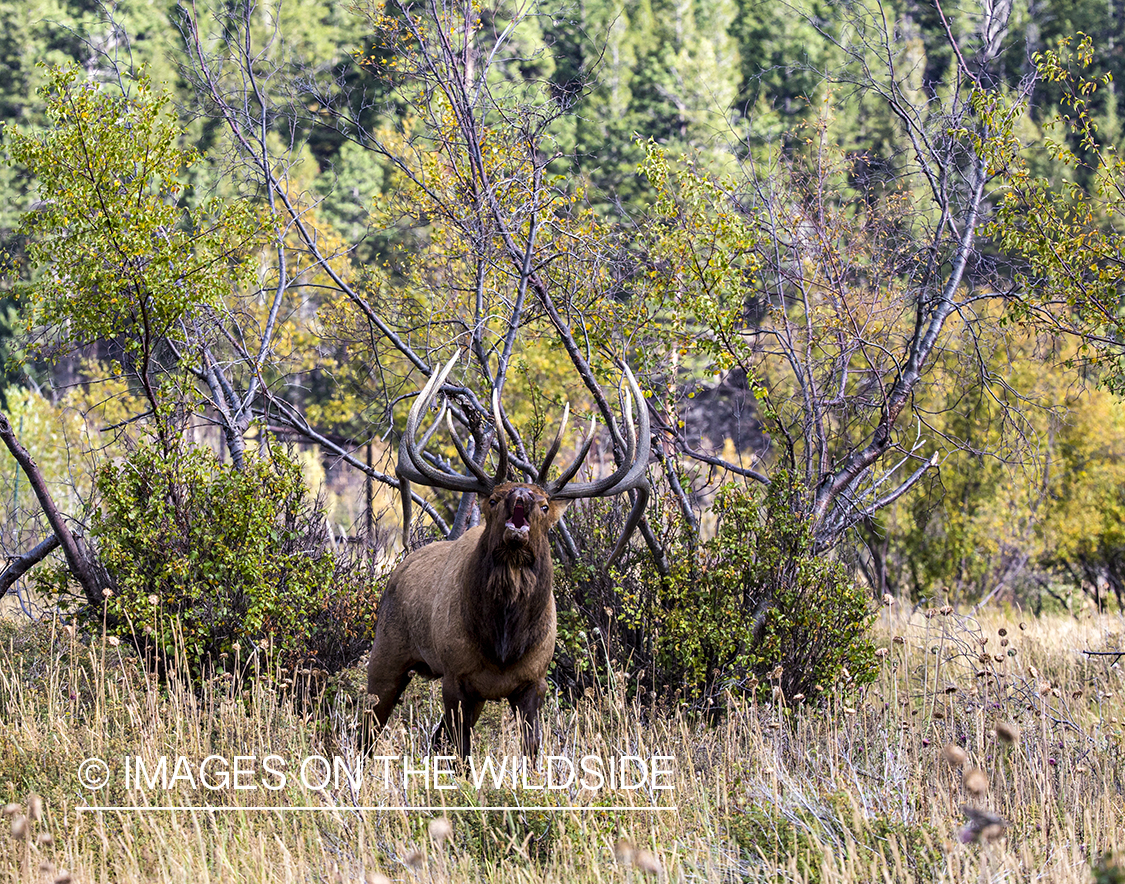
(526, 506)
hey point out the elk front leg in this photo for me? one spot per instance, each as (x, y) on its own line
(525, 703)
(462, 709)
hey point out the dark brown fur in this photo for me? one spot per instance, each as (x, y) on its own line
(478, 613)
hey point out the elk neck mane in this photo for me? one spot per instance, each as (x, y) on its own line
(508, 591)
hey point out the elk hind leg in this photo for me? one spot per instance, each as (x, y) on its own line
(386, 679)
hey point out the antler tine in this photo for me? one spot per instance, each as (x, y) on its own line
(498, 418)
(569, 473)
(407, 444)
(463, 452)
(630, 474)
(412, 465)
(638, 510)
(442, 412)
(635, 478)
(404, 491)
(554, 449)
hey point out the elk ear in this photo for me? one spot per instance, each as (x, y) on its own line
(557, 508)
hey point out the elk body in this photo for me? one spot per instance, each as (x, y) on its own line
(478, 612)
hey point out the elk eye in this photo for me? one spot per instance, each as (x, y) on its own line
(544, 507)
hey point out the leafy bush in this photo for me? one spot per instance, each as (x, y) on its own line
(758, 602)
(205, 557)
(752, 608)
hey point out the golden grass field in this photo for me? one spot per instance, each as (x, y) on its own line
(859, 786)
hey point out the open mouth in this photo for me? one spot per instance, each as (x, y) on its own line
(519, 517)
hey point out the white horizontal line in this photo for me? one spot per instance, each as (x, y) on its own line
(436, 807)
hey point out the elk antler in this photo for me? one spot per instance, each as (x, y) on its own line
(412, 464)
(628, 476)
(630, 473)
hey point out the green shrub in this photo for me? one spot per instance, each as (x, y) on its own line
(203, 557)
(1108, 871)
(756, 602)
(752, 608)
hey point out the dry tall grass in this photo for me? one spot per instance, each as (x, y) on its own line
(864, 785)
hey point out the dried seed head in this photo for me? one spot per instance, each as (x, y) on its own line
(1003, 643)
(777, 673)
(898, 640)
(46, 867)
(63, 877)
(881, 653)
(982, 825)
(1001, 632)
(976, 781)
(1076, 694)
(70, 630)
(938, 714)
(45, 838)
(946, 610)
(34, 807)
(19, 826)
(646, 861)
(441, 829)
(888, 599)
(113, 641)
(951, 689)
(12, 809)
(1006, 732)
(376, 878)
(991, 832)
(930, 614)
(1023, 625)
(413, 859)
(954, 754)
(624, 851)
(797, 698)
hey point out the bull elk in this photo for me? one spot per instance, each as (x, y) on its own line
(478, 612)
